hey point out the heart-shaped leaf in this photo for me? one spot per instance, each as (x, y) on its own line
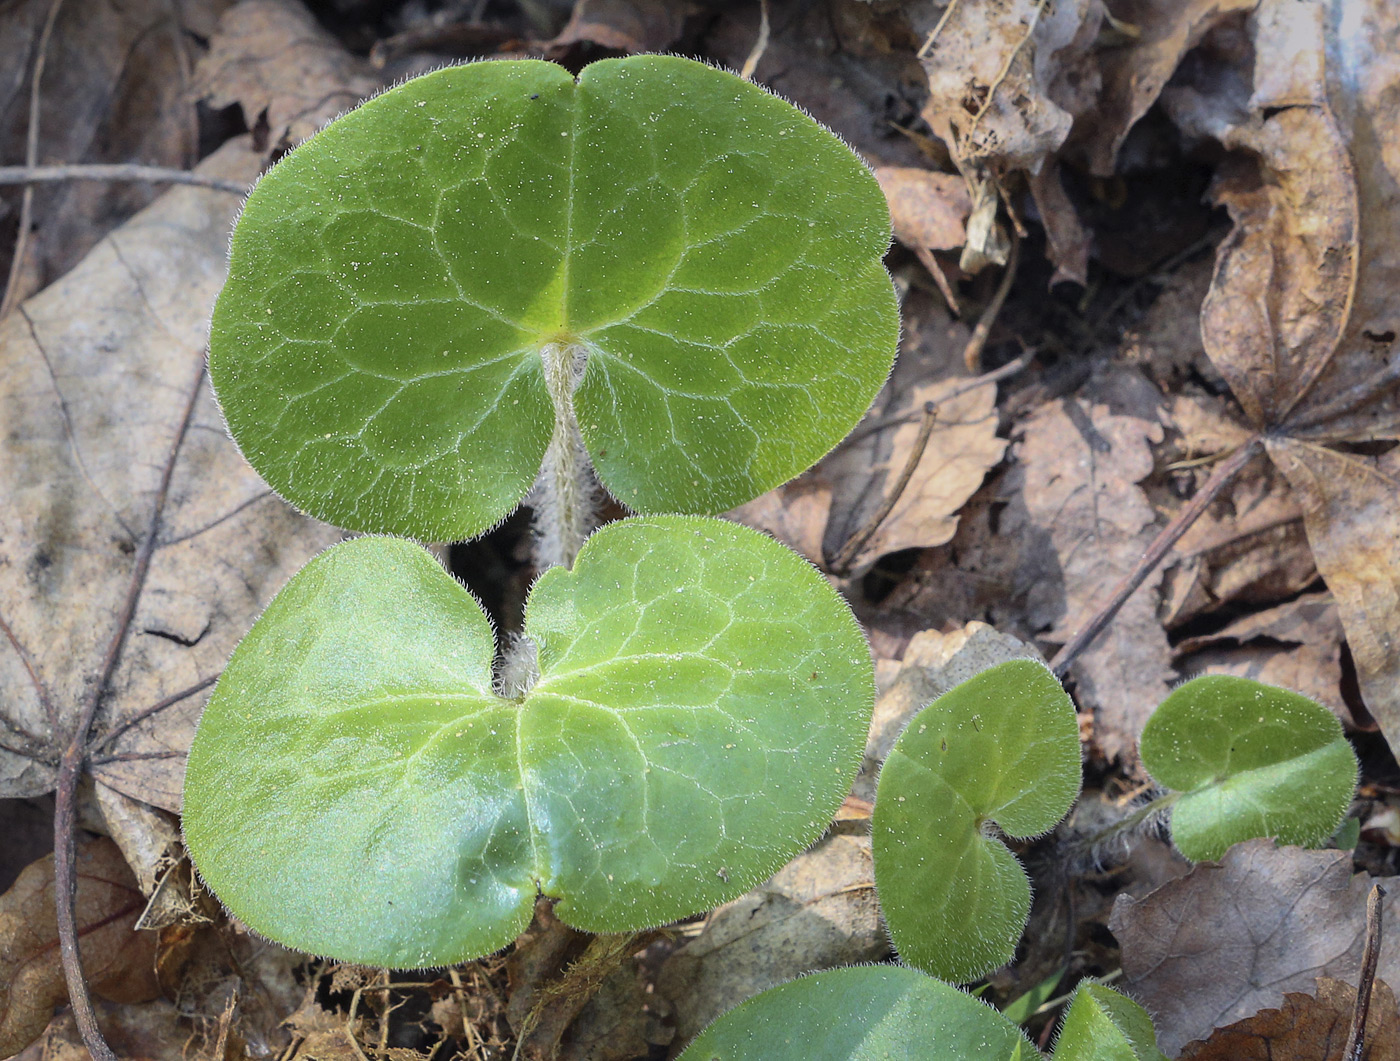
(711, 251)
(862, 1013)
(1001, 748)
(1249, 760)
(1104, 1025)
(357, 789)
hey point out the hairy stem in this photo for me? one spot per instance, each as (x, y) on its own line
(566, 494)
(1091, 846)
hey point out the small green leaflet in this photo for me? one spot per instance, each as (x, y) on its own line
(357, 789)
(1249, 760)
(1104, 1025)
(392, 282)
(862, 1013)
(1003, 748)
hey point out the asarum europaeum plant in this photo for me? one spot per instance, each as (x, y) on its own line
(492, 275)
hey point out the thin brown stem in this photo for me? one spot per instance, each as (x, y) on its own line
(972, 353)
(116, 172)
(156, 708)
(31, 157)
(70, 767)
(1224, 473)
(841, 564)
(1356, 1035)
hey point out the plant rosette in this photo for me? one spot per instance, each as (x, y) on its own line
(657, 268)
(357, 788)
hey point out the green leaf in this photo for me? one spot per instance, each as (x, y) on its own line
(1001, 748)
(392, 282)
(863, 1013)
(1103, 1025)
(1024, 1006)
(1250, 760)
(357, 789)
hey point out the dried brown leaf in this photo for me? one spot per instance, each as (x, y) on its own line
(962, 447)
(997, 75)
(818, 912)
(1351, 507)
(115, 88)
(119, 963)
(151, 1031)
(795, 513)
(284, 70)
(1135, 71)
(1077, 470)
(623, 25)
(929, 209)
(1296, 645)
(105, 373)
(1306, 1028)
(1230, 938)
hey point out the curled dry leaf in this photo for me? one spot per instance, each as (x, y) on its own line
(818, 912)
(1230, 938)
(284, 70)
(1306, 1028)
(119, 963)
(122, 440)
(1301, 319)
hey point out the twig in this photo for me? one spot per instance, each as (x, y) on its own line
(972, 353)
(947, 14)
(156, 708)
(841, 564)
(1224, 472)
(94, 171)
(1356, 1036)
(1004, 71)
(994, 376)
(31, 156)
(70, 767)
(759, 46)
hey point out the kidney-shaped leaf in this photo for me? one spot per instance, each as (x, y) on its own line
(393, 282)
(1003, 748)
(864, 1013)
(357, 789)
(1249, 760)
(1104, 1025)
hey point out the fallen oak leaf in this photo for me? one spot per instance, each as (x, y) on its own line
(119, 962)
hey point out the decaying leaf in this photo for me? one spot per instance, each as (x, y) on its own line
(1230, 938)
(629, 26)
(1139, 64)
(929, 209)
(1306, 1028)
(119, 963)
(1296, 645)
(115, 88)
(1078, 469)
(122, 440)
(818, 912)
(151, 1031)
(1301, 319)
(961, 448)
(795, 513)
(288, 74)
